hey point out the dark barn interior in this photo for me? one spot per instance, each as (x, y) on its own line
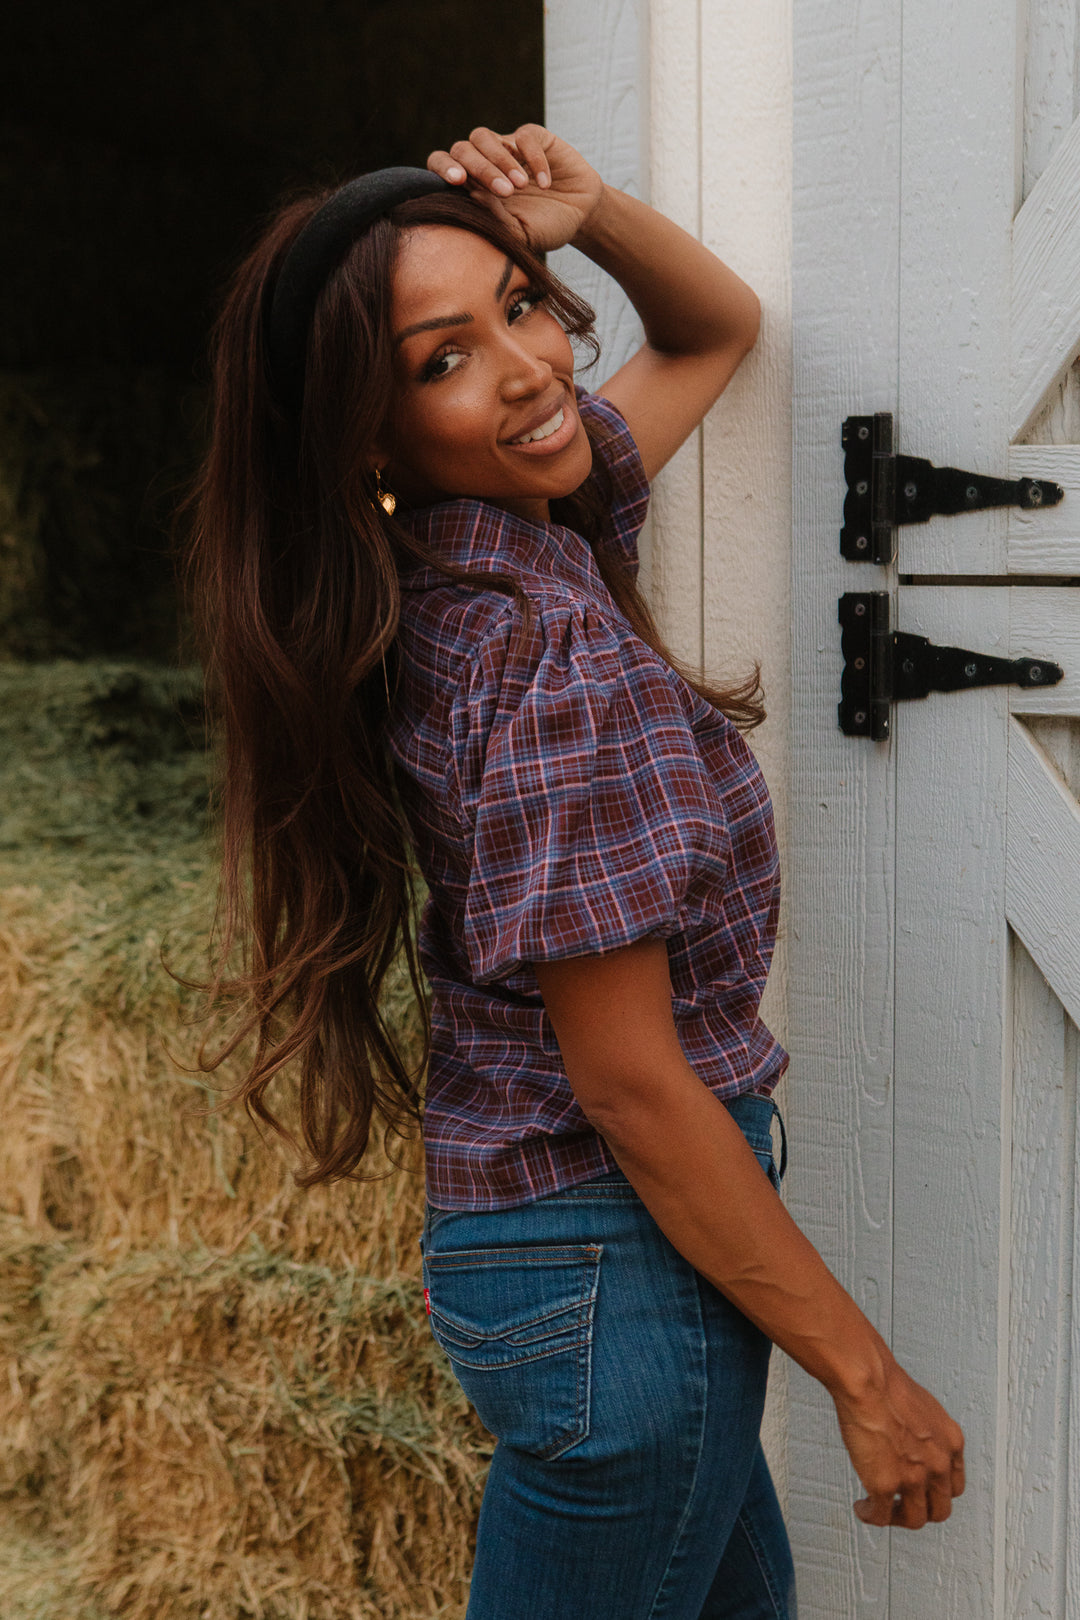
(140, 145)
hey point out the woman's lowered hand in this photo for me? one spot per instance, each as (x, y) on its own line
(905, 1448)
(535, 182)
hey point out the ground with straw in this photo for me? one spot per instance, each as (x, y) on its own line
(219, 1394)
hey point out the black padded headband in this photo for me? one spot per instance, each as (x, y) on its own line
(317, 251)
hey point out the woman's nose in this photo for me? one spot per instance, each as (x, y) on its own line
(524, 372)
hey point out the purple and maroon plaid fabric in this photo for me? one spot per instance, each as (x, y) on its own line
(568, 793)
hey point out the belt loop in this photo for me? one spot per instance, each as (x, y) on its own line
(778, 1116)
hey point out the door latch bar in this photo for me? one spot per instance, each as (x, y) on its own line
(883, 666)
(884, 490)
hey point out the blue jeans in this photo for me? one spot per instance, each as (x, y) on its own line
(626, 1394)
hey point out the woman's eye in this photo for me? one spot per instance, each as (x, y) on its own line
(525, 304)
(441, 365)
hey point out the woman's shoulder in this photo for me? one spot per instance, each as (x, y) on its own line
(560, 653)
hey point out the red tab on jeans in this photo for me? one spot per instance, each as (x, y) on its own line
(427, 1301)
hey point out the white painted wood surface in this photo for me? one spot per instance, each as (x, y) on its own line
(676, 561)
(1049, 51)
(958, 166)
(951, 1141)
(1044, 843)
(1050, 105)
(745, 57)
(1045, 623)
(844, 320)
(596, 95)
(965, 1234)
(1045, 284)
(1043, 1201)
(1046, 541)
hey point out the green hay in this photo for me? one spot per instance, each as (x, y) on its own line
(220, 1394)
(100, 763)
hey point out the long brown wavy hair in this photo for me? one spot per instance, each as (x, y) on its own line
(292, 574)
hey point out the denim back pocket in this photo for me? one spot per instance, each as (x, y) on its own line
(517, 1324)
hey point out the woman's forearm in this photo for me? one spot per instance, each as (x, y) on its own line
(693, 1169)
(695, 1173)
(689, 301)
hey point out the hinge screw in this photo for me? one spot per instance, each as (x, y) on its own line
(910, 491)
(861, 543)
(864, 433)
(971, 493)
(861, 487)
(971, 670)
(1035, 672)
(860, 663)
(860, 717)
(909, 666)
(860, 609)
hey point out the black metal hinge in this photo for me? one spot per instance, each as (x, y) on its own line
(883, 666)
(884, 490)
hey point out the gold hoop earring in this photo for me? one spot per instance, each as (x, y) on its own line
(385, 497)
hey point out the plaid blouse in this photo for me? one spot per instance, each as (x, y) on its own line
(568, 794)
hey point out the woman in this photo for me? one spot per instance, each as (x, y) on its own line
(414, 562)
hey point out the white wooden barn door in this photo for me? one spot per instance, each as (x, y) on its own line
(937, 876)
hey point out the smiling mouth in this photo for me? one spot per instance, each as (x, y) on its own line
(545, 430)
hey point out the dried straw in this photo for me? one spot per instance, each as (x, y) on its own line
(219, 1393)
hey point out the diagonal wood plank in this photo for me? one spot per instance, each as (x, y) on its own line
(1045, 285)
(1042, 866)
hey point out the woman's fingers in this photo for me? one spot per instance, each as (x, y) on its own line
(531, 141)
(907, 1451)
(530, 179)
(875, 1509)
(486, 160)
(909, 1509)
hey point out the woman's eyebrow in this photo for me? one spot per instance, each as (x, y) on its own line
(432, 325)
(504, 279)
(454, 320)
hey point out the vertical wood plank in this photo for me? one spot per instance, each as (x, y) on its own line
(745, 186)
(1043, 1201)
(675, 553)
(960, 147)
(845, 263)
(596, 95)
(950, 1309)
(746, 219)
(1070, 1496)
(953, 1060)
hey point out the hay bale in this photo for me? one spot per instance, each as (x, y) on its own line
(254, 1436)
(220, 1391)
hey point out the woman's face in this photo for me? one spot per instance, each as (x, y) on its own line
(481, 367)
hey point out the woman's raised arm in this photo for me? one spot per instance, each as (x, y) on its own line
(700, 319)
(692, 1168)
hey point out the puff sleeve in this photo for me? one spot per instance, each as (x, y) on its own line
(590, 817)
